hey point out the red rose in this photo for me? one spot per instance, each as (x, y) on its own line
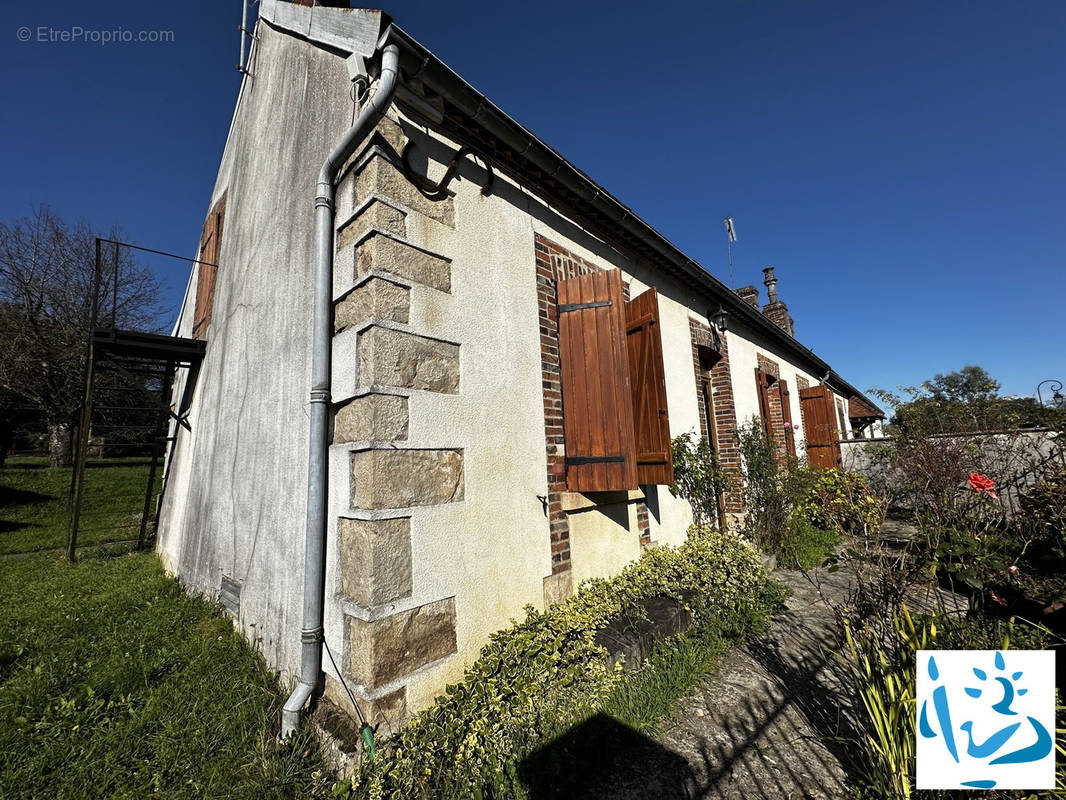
(981, 483)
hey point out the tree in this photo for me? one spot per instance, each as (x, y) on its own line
(46, 278)
(969, 385)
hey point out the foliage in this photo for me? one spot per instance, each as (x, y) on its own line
(841, 501)
(115, 683)
(880, 657)
(768, 488)
(698, 477)
(806, 545)
(547, 673)
(963, 401)
(46, 281)
(1044, 516)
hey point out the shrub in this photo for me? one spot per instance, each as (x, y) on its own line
(546, 673)
(841, 501)
(767, 500)
(1043, 516)
(806, 545)
(698, 477)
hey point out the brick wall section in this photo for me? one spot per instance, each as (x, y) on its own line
(553, 264)
(725, 415)
(777, 418)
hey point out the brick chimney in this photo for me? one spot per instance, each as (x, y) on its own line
(750, 295)
(775, 310)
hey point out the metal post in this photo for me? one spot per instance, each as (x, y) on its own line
(82, 443)
(157, 433)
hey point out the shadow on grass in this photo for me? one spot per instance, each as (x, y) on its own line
(10, 496)
(583, 762)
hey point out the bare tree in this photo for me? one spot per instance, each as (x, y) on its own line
(46, 279)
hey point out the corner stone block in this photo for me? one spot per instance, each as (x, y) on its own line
(379, 252)
(389, 648)
(376, 298)
(406, 478)
(372, 417)
(375, 215)
(389, 357)
(379, 176)
(375, 560)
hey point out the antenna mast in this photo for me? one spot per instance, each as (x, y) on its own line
(731, 237)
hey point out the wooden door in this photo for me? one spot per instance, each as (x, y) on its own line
(820, 427)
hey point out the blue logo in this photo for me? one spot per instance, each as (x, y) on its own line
(978, 725)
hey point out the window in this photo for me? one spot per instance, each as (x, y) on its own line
(775, 408)
(206, 269)
(615, 419)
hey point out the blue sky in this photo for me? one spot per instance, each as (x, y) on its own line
(901, 164)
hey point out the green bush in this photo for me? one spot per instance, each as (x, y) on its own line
(1044, 519)
(840, 501)
(698, 477)
(806, 545)
(543, 675)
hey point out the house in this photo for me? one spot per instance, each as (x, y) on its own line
(442, 370)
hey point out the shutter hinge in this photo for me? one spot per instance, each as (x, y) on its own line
(579, 460)
(578, 306)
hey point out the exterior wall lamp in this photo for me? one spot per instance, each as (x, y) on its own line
(719, 318)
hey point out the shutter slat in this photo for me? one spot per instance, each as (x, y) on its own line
(597, 410)
(651, 420)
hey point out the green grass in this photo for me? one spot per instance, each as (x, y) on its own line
(33, 503)
(806, 546)
(679, 666)
(115, 683)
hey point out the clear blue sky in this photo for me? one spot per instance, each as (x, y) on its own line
(901, 164)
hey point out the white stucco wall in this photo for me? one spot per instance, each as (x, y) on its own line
(235, 498)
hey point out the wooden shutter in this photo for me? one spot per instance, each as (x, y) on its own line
(651, 422)
(597, 401)
(819, 427)
(786, 415)
(762, 386)
(206, 273)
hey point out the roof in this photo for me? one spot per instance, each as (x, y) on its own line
(432, 91)
(860, 408)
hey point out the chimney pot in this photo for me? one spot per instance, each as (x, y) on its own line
(771, 284)
(749, 294)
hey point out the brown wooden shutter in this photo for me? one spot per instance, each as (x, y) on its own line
(651, 422)
(762, 385)
(206, 273)
(597, 401)
(819, 427)
(786, 416)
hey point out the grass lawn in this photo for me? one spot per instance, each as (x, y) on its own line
(115, 683)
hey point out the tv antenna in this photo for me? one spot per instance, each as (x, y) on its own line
(731, 238)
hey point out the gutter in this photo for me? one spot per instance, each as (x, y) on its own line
(311, 635)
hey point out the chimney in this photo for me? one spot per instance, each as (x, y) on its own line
(327, 3)
(750, 295)
(775, 310)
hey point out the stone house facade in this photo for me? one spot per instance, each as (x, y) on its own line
(511, 351)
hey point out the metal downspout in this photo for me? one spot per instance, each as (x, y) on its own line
(318, 451)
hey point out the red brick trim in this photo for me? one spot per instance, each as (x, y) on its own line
(554, 263)
(725, 414)
(777, 417)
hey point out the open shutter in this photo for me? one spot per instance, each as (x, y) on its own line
(762, 386)
(206, 274)
(597, 402)
(786, 416)
(651, 422)
(819, 427)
